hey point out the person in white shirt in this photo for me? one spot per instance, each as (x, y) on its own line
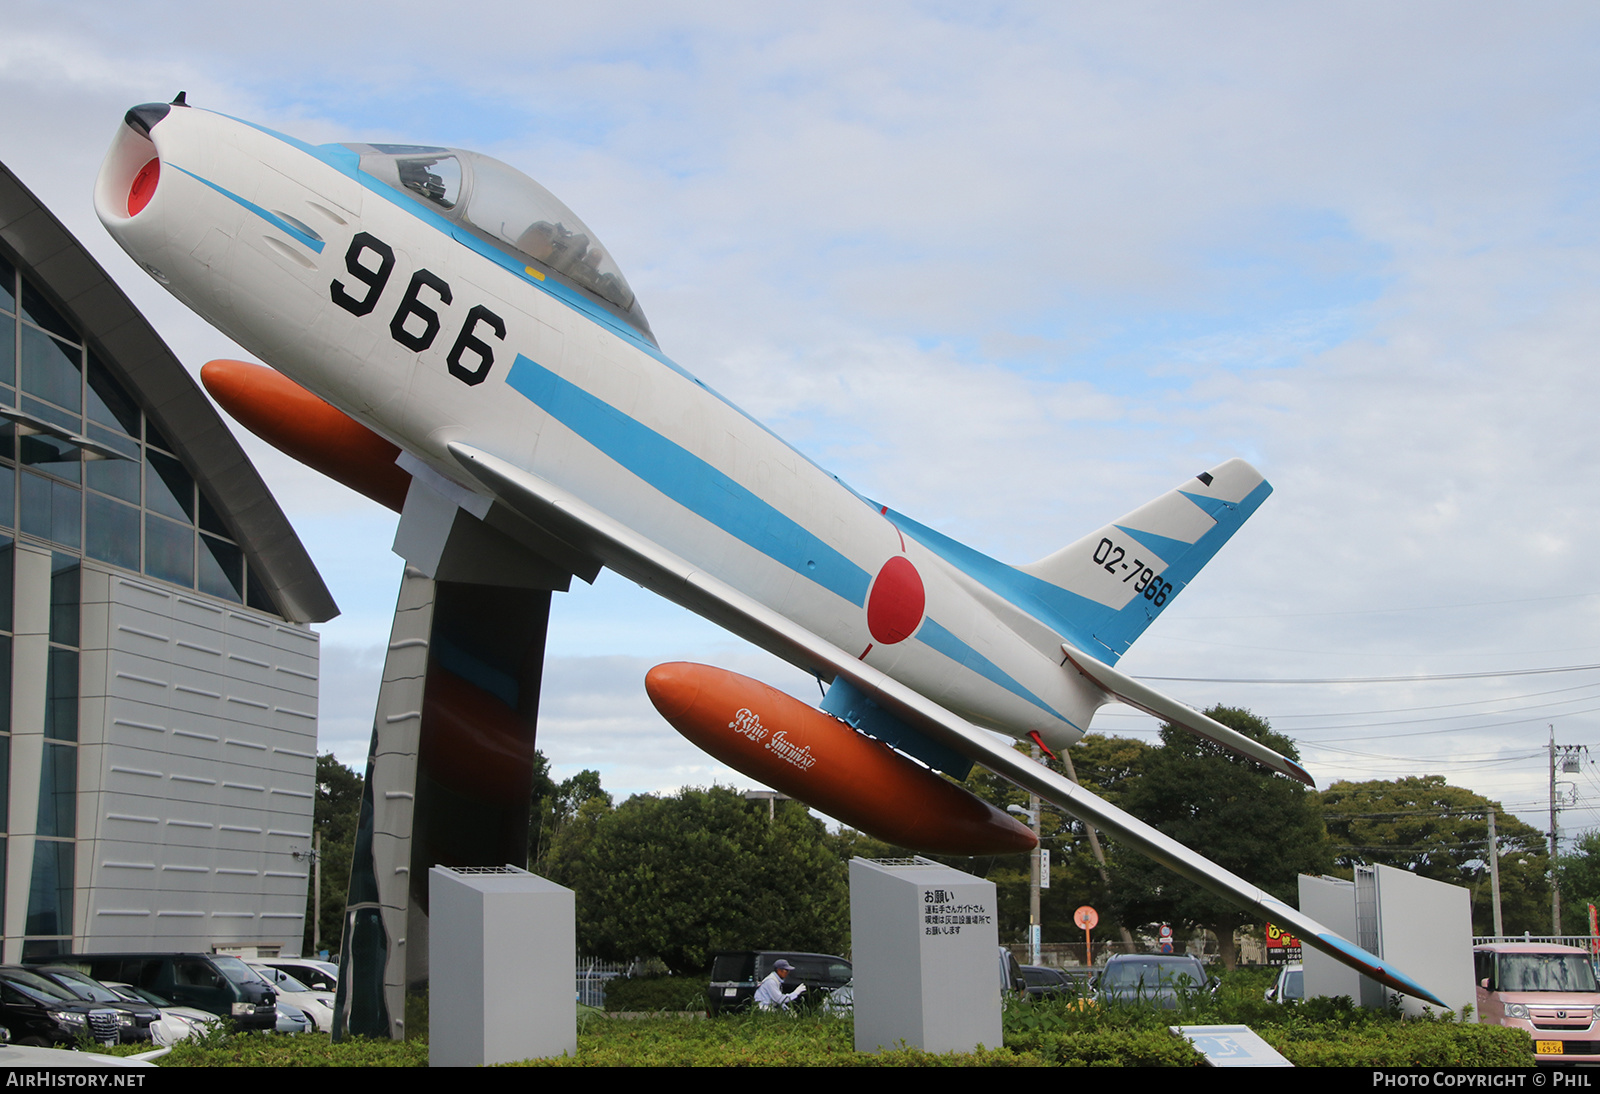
(770, 993)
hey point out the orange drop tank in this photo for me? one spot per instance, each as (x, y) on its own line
(316, 433)
(807, 754)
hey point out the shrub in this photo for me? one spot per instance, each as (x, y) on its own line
(656, 993)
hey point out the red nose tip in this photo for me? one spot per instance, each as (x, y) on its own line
(673, 688)
(144, 187)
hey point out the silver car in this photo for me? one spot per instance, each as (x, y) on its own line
(1163, 980)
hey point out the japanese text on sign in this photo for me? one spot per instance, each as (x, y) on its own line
(942, 915)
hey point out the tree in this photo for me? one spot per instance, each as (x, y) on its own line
(683, 876)
(1103, 764)
(335, 814)
(1259, 825)
(552, 806)
(1076, 878)
(1580, 873)
(1439, 831)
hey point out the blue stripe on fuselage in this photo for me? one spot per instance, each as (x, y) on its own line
(938, 638)
(348, 163)
(1058, 609)
(273, 219)
(690, 481)
(712, 495)
(663, 464)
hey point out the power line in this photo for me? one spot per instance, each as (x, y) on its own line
(1430, 732)
(1464, 811)
(1419, 678)
(1456, 718)
(1391, 611)
(1434, 706)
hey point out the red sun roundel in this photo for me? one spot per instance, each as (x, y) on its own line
(896, 603)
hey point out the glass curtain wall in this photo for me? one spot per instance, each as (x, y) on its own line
(84, 469)
(85, 472)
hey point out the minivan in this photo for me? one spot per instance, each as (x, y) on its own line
(1546, 989)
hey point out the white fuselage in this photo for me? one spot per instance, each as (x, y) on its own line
(285, 248)
(435, 336)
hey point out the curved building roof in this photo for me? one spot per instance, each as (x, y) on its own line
(75, 283)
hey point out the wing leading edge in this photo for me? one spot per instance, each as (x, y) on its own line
(633, 556)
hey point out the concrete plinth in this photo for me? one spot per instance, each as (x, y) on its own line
(501, 952)
(926, 956)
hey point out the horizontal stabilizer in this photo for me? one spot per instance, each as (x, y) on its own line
(1128, 690)
(663, 572)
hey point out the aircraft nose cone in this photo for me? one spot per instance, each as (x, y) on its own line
(144, 117)
(673, 688)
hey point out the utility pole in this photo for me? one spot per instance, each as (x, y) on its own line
(1555, 879)
(314, 856)
(1035, 928)
(1569, 766)
(316, 889)
(1099, 855)
(1032, 814)
(1494, 876)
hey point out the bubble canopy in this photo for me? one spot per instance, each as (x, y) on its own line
(506, 208)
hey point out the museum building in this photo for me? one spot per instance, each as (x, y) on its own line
(158, 674)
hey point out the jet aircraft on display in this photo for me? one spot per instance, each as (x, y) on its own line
(452, 340)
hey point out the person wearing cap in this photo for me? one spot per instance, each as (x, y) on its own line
(770, 992)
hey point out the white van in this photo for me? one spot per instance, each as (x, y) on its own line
(1546, 989)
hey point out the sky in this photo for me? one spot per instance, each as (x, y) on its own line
(1014, 269)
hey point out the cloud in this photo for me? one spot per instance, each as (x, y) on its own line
(1015, 270)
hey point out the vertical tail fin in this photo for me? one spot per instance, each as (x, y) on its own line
(1110, 585)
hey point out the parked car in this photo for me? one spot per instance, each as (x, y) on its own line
(291, 1019)
(224, 986)
(91, 990)
(176, 1023)
(320, 976)
(38, 1013)
(1546, 989)
(1012, 982)
(1047, 983)
(317, 1005)
(735, 974)
(1290, 987)
(1160, 980)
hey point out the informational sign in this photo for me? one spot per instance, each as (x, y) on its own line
(1231, 1046)
(1044, 867)
(1283, 948)
(1166, 939)
(924, 940)
(945, 912)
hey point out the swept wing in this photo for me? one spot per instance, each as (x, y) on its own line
(586, 529)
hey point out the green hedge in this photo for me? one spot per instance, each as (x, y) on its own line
(653, 993)
(1404, 1044)
(1064, 1033)
(1319, 1032)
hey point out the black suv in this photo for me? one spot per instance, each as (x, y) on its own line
(91, 990)
(36, 1012)
(1047, 983)
(735, 974)
(225, 986)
